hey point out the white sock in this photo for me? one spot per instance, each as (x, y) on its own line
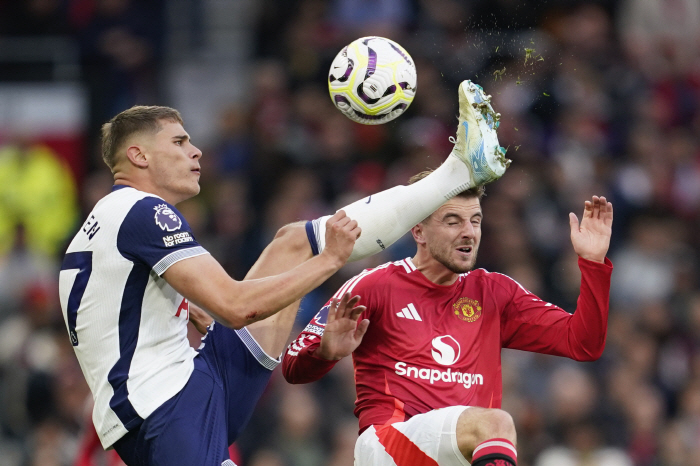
(386, 216)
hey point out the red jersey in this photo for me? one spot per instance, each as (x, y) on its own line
(430, 346)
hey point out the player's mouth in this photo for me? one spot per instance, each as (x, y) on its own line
(465, 250)
(197, 171)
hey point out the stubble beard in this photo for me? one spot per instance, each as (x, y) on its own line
(444, 258)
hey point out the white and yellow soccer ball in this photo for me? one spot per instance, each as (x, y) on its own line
(372, 80)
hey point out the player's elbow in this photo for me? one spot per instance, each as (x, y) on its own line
(288, 369)
(239, 318)
(233, 314)
(234, 323)
(294, 378)
(231, 321)
(589, 354)
(288, 374)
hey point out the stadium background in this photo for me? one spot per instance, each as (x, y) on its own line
(609, 103)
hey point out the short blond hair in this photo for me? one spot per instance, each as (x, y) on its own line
(137, 119)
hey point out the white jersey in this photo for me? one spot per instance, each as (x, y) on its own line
(127, 325)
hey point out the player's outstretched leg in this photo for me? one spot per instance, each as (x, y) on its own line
(476, 159)
(485, 435)
(385, 217)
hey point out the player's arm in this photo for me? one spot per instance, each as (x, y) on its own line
(320, 346)
(203, 281)
(531, 324)
(199, 318)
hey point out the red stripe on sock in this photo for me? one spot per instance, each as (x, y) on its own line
(401, 449)
(492, 446)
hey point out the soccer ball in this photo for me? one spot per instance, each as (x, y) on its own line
(372, 80)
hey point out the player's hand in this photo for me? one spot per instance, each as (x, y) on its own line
(341, 234)
(591, 239)
(342, 334)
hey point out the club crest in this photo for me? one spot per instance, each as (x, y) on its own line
(467, 309)
(166, 218)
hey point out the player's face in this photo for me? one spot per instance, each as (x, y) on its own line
(453, 233)
(175, 162)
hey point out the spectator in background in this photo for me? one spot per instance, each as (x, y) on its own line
(646, 263)
(661, 38)
(34, 18)
(121, 49)
(37, 197)
(583, 447)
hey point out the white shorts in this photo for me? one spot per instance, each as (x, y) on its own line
(424, 440)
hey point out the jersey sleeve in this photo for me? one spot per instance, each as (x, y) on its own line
(530, 324)
(300, 363)
(156, 234)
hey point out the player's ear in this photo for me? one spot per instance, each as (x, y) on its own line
(137, 157)
(418, 234)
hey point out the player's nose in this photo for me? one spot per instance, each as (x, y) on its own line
(196, 153)
(468, 230)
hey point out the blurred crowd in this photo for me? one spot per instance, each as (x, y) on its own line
(597, 97)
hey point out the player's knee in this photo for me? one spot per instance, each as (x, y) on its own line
(293, 236)
(477, 425)
(289, 248)
(498, 424)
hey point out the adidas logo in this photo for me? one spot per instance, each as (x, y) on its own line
(409, 312)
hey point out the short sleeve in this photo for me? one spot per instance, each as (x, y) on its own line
(156, 234)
